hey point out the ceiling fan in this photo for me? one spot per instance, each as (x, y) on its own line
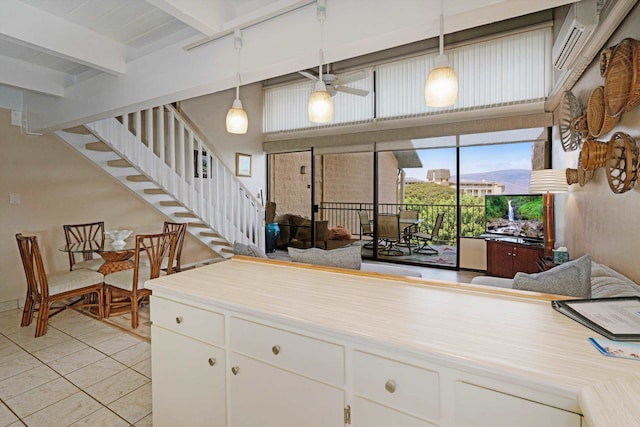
(336, 82)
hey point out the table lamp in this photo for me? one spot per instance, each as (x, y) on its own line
(548, 182)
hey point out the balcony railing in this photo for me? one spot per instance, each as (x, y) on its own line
(346, 215)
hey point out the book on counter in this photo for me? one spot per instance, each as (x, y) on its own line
(615, 318)
(610, 348)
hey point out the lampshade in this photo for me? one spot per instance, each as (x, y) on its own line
(320, 104)
(237, 120)
(548, 181)
(441, 88)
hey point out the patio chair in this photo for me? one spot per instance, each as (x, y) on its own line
(424, 237)
(77, 233)
(45, 289)
(365, 228)
(408, 227)
(128, 285)
(389, 234)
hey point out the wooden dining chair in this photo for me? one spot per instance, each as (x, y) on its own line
(45, 289)
(181, 229)
(77, 233)
(128, 285)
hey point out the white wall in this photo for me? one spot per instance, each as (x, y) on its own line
(592, 219)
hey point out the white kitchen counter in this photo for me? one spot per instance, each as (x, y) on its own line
(510, 336)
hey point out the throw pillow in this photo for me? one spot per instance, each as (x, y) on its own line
(572, 278)
(248, 250)
(345, 257)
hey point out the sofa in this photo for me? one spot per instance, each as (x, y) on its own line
(344, 257)
(296, 230)
(581, 278)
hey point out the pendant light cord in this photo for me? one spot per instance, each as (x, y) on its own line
(237, 43)
(321, 13)
(442, 27)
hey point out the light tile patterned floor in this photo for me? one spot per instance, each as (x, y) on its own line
(83, 372)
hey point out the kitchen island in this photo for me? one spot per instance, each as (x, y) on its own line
(250, 342)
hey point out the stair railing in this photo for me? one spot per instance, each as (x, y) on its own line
(163, 146)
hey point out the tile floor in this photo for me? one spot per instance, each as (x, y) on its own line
(83, 372)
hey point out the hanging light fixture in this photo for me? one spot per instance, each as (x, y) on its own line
(237, 121)
(320, 106)
(441, 87)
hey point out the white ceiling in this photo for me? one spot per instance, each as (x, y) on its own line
(66, 62)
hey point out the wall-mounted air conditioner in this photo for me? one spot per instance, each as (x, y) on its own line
(577, 28)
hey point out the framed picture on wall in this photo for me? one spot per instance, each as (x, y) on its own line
(243, 164)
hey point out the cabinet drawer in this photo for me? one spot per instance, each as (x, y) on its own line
(193, 322)
(397, 384)
(314, 358)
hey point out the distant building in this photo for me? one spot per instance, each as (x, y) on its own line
(480, 189)
(438, 176)
(473, 188)
(411, 180)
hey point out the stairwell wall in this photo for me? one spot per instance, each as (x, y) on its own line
(57, 186)
(208, 114)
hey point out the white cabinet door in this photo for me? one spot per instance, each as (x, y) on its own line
(480, 407)
(188, 381)
(369, 414)
(266, 396)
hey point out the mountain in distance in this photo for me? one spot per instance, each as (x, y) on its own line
(516, 181)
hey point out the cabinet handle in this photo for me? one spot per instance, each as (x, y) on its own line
(275, 349)
(235, 370)
(179, 320)
(390, 386)
(212, 361)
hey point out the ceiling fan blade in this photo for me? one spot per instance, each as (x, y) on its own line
(352, 91)
(308, 75)
(348, 78)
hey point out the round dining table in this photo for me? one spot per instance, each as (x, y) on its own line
(116, 257)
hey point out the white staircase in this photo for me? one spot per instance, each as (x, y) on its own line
(152, 152)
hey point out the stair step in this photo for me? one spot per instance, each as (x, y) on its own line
(227, 250)
(198, 225)
(185, 215)
(154, 191)
(120, 163)
(97, 146)
(170, 203)
(138, 178)
(209, 234)
(80, 130)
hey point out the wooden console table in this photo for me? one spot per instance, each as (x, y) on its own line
(262, 342)
(506, 258)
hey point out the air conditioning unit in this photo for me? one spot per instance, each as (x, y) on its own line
(577, 28)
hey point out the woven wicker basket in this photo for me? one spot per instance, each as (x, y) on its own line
(622, 80)
(622, 162)
(605, 57)
(579, 175)
(593, 154)
(598, 121)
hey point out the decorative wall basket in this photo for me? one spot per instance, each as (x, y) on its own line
(570, 109)
(579, 175)
(593, 154)
(622, 162)
(579, 124)
(605, 57)
(598, 121)
(622, 82)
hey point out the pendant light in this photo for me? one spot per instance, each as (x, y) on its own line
(441, 87)
(237, 121)
(320, 106)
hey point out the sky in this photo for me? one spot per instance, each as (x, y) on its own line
(485, 158)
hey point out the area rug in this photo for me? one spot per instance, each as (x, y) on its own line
(446, 255)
